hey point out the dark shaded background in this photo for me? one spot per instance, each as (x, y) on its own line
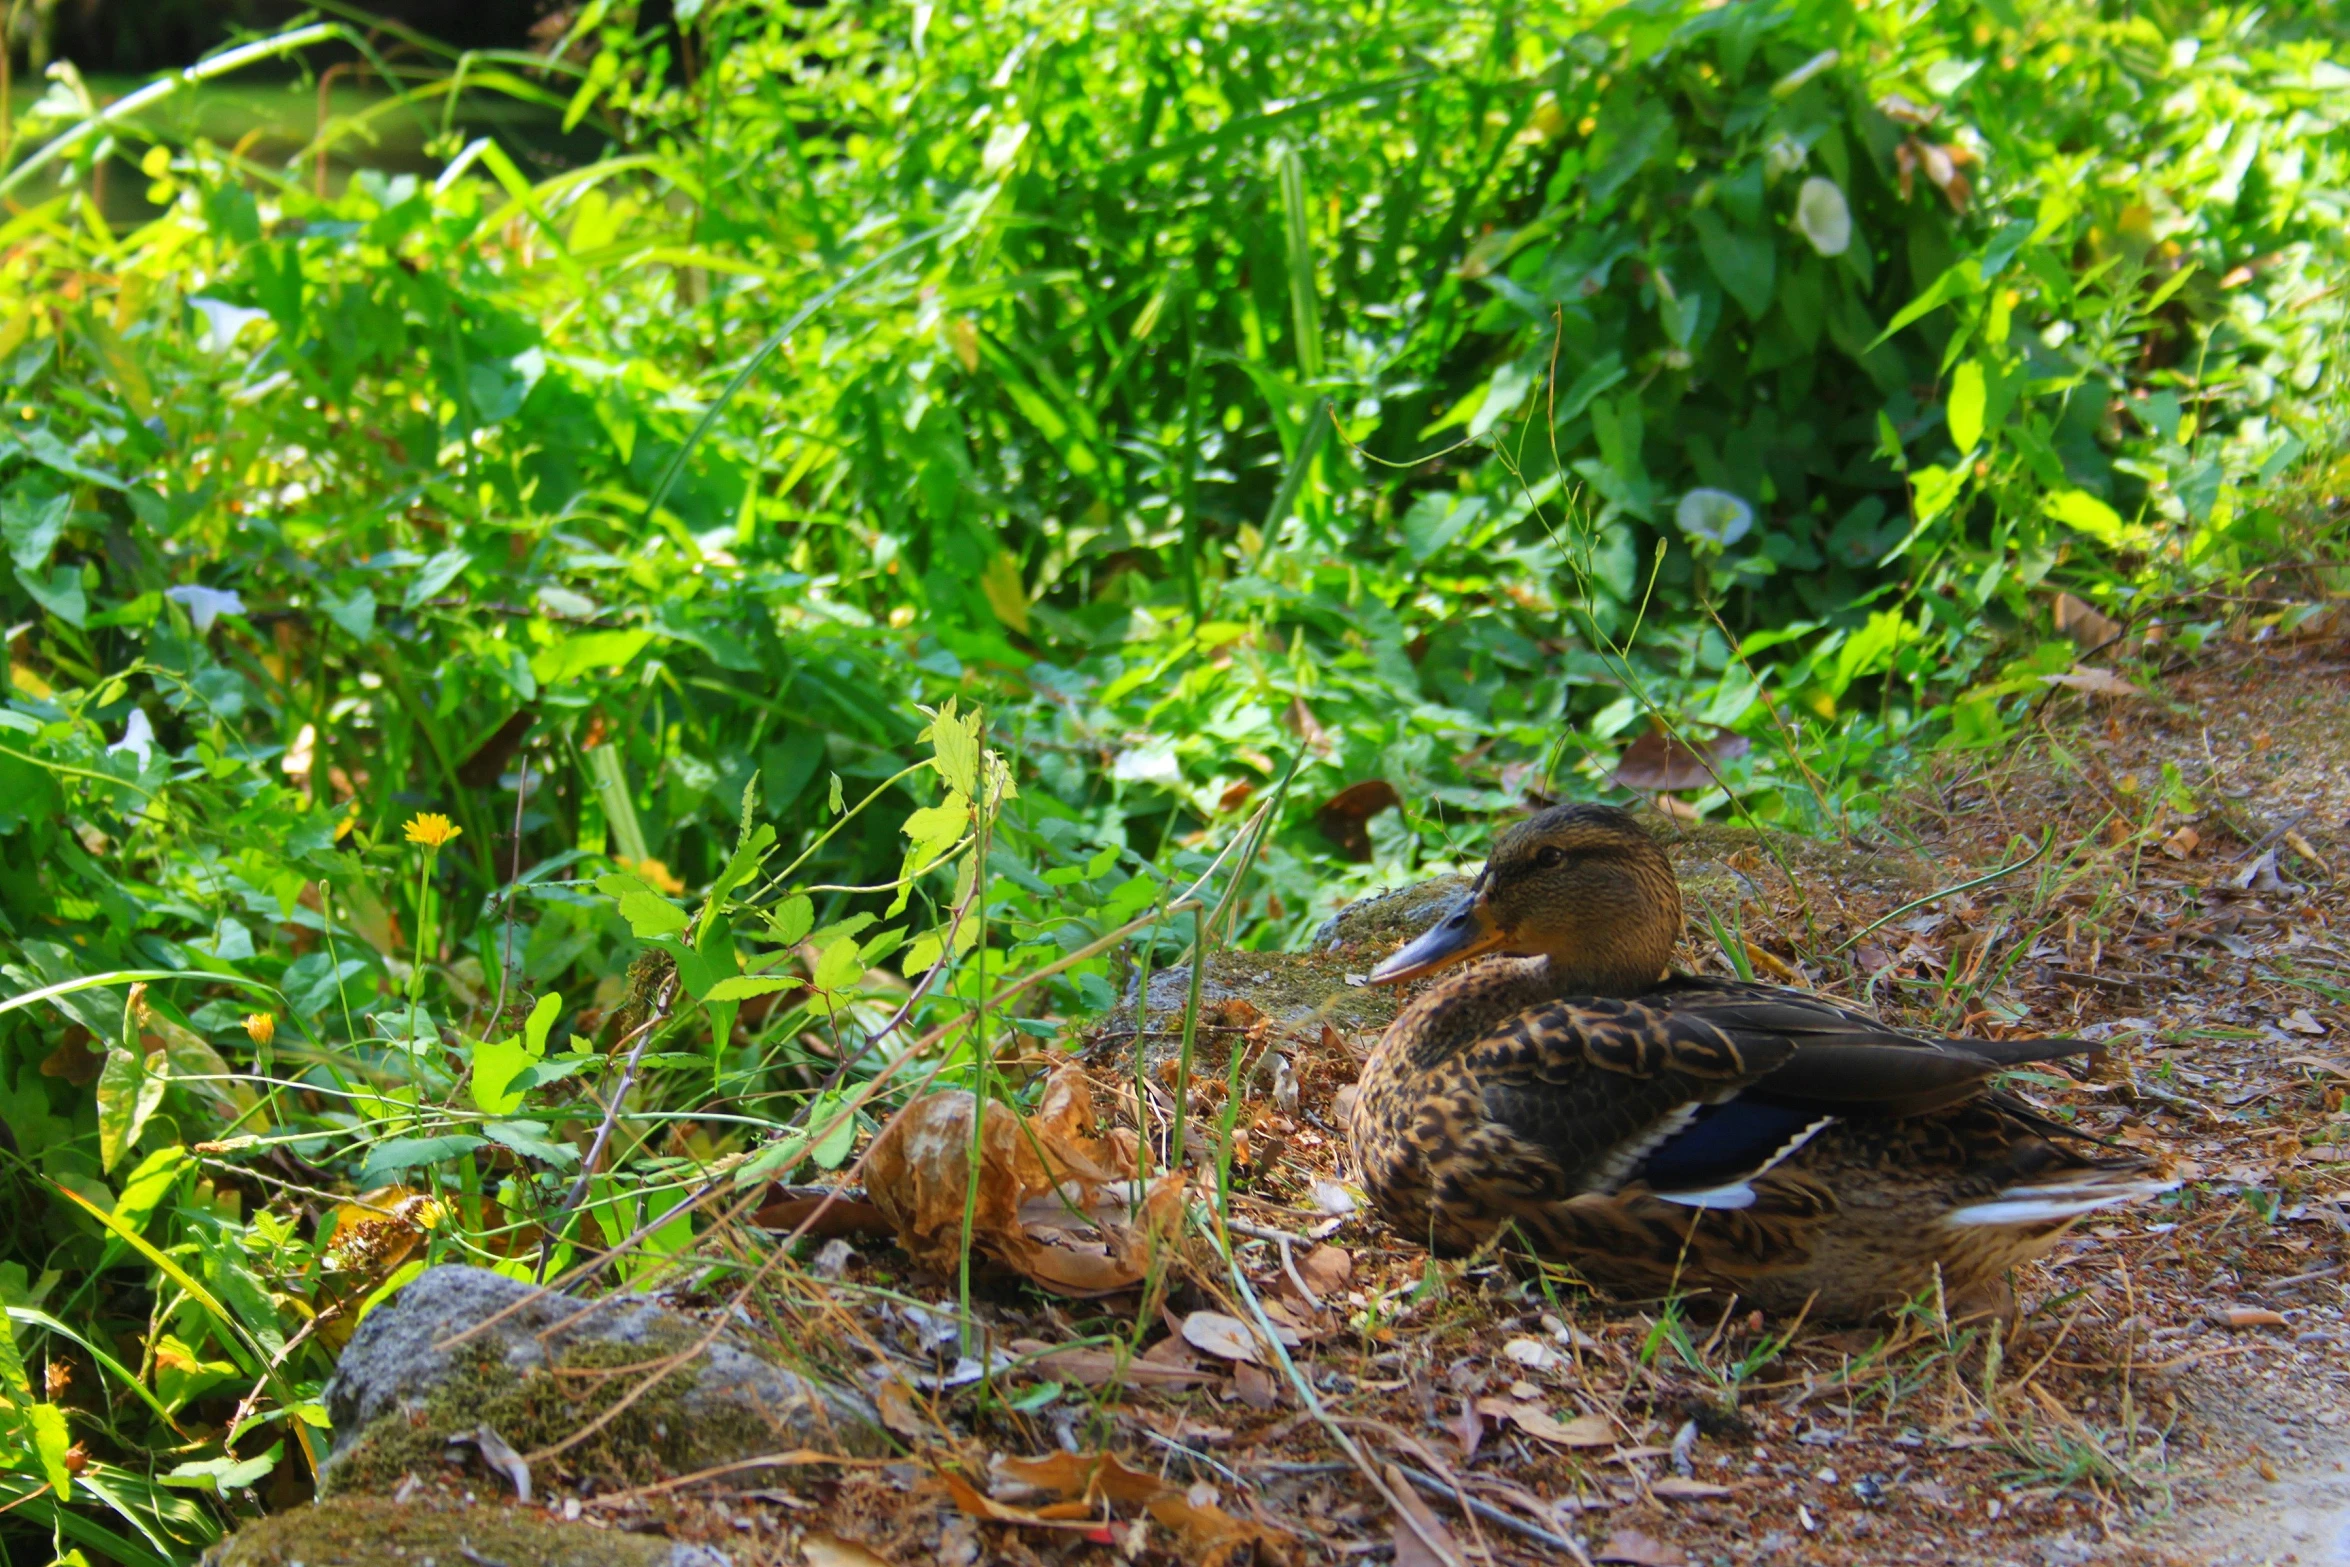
(136, 37)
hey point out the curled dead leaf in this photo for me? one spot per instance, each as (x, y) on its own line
(1056, 1199)
(1663, 763)
(1679, 1488)
(2247, 1317)
(1084, 1483)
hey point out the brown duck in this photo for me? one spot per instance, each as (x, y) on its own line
(1666, 1133)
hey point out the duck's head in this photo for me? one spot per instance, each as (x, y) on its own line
(1582, 885)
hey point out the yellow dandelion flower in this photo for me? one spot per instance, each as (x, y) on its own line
(431, 829)
(260, 1027)
(656, 874)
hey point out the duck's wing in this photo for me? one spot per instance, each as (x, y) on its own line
(1848, 1063)
(1699, 1086)
(1602, 1087)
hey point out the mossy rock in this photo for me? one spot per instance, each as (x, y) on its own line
(462, 1349)
(374, 1531)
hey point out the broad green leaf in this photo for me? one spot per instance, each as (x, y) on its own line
(51, 1442)
(1742, 259)
(575, 656)
(954, 743)
(773, 1162)
(144, 1189)
(834, 1125)
(742, 987)
(130, 1089)
(224, 1474)
(530, 1139)
(1965, 408)
(839, 967)
(181, 1374)
(648, 913)
(542, 1018)
(496, 1064)
(15, 1384)
(2080, 510)
(395, 1155)
(788, 924)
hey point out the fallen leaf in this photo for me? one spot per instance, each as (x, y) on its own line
(2303, 1021)
(1678, 1488)
(1255, 1387)
(824, 1550)
(894, 1401)
(2247, 1317)
(1412, 1544)
(2089, 629)
(1227, 1338)
(1101, 1368)
(1531, 1352)
(1056, 1199)
(2183, 843)
(1345, 817)
(1326, 1269)
(1536, 1421)
(1663, 763)
(1632, 1547)
(2096, 682)
(1206, 1535)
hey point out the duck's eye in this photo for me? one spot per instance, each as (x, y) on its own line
(1549, 857)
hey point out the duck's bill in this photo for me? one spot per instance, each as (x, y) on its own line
(1463, 932)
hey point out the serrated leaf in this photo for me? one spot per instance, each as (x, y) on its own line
(839, 967)
(791, 920)
(647, 912)
(954, 744)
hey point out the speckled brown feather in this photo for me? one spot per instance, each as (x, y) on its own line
(1514, 1096)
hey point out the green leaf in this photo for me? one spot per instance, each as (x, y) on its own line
(224, 1474)
(51, 1442)
(542, 1018)
(833, 800)
(31, 522)
(1966, 405)
(396, 1155)
(1744, 260)
(789, 923)
(529, 1139)
(954, 744)
(2085, 513)
(839, 967)
(145, 1188)
(130, 1089)
(648, 913)
(742, 987)
(496, 1063)
(60, 592)
(1964, 278)
(573, 657)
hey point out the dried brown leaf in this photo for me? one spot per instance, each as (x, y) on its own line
(1055, 1198)
(1634, 1549)
(1663, 763)
(1227, 1338)
(824, 1550)
(1412, 1544)
(2094, 681)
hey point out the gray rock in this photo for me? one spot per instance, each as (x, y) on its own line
(463, 1348)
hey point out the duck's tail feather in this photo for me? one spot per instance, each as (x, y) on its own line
(2034, 1204)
